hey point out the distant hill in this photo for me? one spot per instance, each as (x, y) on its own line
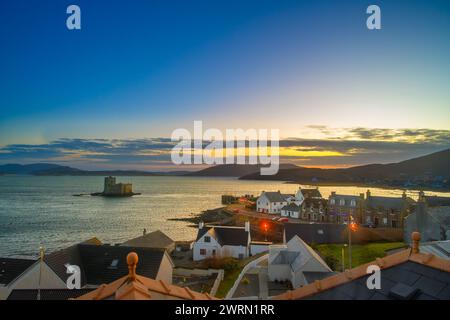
(430, 170)
(46, 169)
(233, 170)
(32, 168)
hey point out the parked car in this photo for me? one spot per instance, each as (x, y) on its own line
(283, 220)
(275, 218)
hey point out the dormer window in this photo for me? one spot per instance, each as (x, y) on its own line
(332, 201)
(353, 203)
(114, 264)
(342, 202)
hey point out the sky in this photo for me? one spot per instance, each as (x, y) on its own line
(110, 95)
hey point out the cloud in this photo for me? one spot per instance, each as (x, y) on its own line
(353, 146)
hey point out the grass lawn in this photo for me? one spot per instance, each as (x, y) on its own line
(361, 253)
(230, 276)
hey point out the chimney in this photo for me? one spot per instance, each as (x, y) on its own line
(144, 232)
(247, 226)
(421, 196)
(368, 194)
(201, 224)
(361, 195)
(333, 193)
(415, 236)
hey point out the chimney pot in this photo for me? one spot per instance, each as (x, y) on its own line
(415, 236)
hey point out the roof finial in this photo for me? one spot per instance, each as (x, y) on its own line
(415, 236)
(132, 260)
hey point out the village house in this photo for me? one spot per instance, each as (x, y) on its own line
(406, 275)
(156, 240)
(375, 211)
(291, 210)
(275, 202)
(296, 262)
(222, 241)
(314, 209)
(272, 202)
(341, 206)
(386, 211)
(98, 264)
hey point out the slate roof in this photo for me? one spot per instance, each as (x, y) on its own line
(316, 233)
(311, 193)
(133, 286)
(404, 275)
(275, 196)
(102, 263)
(47, 294)
(347, 199)
(11, 268)
(98, 262)
(230, 236)
(291, 207)
(441, 215)
(155, 239)
(387, 202)
(434, 201)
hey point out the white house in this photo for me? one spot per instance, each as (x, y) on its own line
(291, 210)
(222, 241)
(273, 202)
(296, 262)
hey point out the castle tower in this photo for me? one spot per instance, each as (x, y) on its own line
(109, 184)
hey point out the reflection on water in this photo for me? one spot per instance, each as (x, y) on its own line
(38, 211)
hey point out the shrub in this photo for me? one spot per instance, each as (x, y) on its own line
(226, 263)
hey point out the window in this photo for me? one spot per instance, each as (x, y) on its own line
(214, 252)
(207, 239)
(332, 201)
(342, 202)
(353, 203)
(203, 252)
(114, 264)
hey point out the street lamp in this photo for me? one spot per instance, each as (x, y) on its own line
(343, 257)
(265, 227)
(352, 227)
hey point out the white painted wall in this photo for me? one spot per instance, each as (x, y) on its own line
(258, 248)
(208, 246)
(165, 271)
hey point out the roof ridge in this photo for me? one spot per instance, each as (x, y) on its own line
(344, 277)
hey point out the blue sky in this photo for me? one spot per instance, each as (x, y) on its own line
(140, 69)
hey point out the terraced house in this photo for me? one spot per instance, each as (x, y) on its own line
(369, 210)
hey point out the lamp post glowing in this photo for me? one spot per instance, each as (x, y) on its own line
(352, 227)
(265, 228)
(343, 257)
